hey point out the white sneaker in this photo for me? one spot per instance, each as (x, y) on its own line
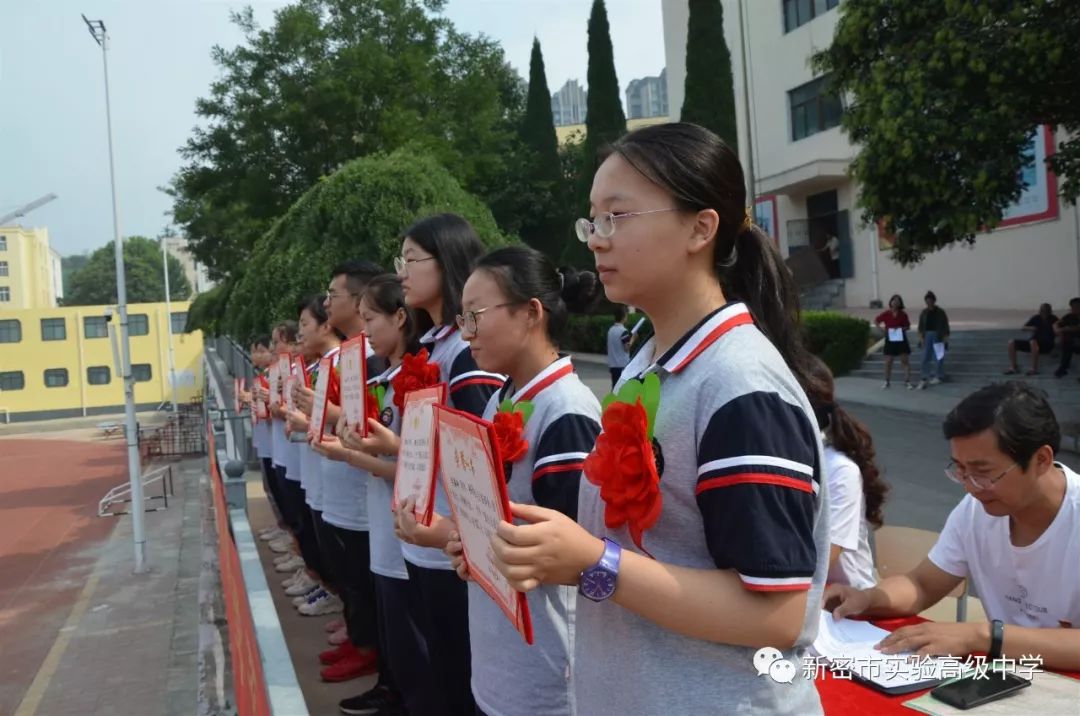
(284, 557)
(281, 545)
(291, 579)
(935, 381)
(922, 385)
(885, 385)
(322, 606)
(302, 585)
(291, 565)
(910, 385)
(310, 595)
(272, 534)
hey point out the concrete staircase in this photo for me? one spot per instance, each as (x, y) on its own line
(823, 296)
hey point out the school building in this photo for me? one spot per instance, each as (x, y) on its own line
(60, 362)
(30, 275)
(801, 160)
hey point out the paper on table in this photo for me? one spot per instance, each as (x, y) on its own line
(896, 335)
(939, 351)
(1048, 694)
(850, 645)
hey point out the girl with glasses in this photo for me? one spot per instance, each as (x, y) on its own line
(699, 537)
(516, 310)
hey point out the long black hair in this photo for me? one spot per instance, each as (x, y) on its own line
(701, 172)
(384, 294)
(456, 247)
(523, 273)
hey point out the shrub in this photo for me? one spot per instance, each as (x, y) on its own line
(588, 334)
(359, 211)
(837, 338)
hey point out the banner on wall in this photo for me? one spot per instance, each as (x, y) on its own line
(765, 216)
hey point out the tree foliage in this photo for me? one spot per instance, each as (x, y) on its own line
(95, 283)
(709, 99)
(357, 212)
(604, 119)
(944, 97)
(330, 81)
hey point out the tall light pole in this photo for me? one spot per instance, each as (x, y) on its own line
(101, 37)
(168, 324)
(750, 180)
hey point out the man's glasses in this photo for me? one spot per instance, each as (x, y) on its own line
(979, 482)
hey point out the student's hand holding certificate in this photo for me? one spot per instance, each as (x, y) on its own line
(304, 398)
(380, 440)
(409, 530)
(551, 549)
(456, 553)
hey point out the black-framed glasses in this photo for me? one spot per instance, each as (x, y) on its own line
(401, 264)
(470, 320)
(332, 295)
(604, 224)
(980, 482)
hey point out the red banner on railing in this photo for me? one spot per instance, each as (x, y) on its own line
(249, 682)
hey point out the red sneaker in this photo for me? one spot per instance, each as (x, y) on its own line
(333, 656)
(353, 666)
(333, 626)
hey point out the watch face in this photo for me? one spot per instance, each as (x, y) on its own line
(598, 584)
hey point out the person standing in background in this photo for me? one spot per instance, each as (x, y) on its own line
(895, 323)
(618, 345)
(933, 339)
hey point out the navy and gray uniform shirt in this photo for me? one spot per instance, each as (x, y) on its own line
(468, 389)
(742, 491)
(509, 677)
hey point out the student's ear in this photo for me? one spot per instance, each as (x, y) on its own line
(400, 318)
(706, 223)
(536, 310)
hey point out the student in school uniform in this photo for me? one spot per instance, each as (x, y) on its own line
(255, 399)
(437, 256)
(708, 542)
(405, 680)
(618, 345)
(284, 339)
(516, 305)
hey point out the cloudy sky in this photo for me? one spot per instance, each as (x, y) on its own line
(52, 108)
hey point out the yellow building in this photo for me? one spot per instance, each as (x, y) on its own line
(58, 362)
(566, 132)
(30, 274)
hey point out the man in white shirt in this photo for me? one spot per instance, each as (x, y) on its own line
(1016, 536)
(618, 345)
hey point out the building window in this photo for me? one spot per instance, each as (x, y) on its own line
(53, 329)
(3, 268)
(12, 380)
(56, 377)
(98, 375)
(5, 294)
(141, 372)
(813, 109)
(179, 321)
(800, 12)
(10, 331)
(95, 327)
(3, 243)
(138, 324)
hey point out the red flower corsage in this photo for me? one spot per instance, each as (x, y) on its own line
(623, 464)
(416, 374)
(509, 435)
(374, 404)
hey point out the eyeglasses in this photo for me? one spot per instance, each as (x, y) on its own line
(401, 264)
(604, 224)
(469, 320)
(979, 482)
(333, 295)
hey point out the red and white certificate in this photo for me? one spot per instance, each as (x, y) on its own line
(318, 405)
(471, 470)
(352, 368)
(238, 387)
(417, 460)
(279, 370)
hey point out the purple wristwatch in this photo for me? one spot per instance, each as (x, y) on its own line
(598, 581)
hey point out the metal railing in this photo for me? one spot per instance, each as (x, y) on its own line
(121, 494)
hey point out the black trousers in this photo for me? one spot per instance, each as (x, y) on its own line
(444, 621)
(1069, 346)
(352, 564)
(286, 501)
(405, 667)
(303, 525)
(329, 571)
(271, 488)
(616, 373)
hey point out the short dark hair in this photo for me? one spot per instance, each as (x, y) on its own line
(930, 297)
(1074, 301)
(288, 330)
(1019, 414)
(453, 242)
(619, 312)
(384, 294)
(358, 274)
(261, 341)
(523, 273)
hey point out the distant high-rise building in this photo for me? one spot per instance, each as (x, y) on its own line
(195, 271)
(568, 104)
(647, 97)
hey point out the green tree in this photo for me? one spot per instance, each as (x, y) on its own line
(95, 283)
(544, 225)
(945, 95)
(330, 81)
(69, 265)
(710, 90)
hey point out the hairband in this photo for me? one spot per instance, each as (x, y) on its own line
(747, 222)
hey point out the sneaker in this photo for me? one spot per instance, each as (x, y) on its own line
(885, 385)
(334, 624)
(280, 545)
(935, 381)
(921, 386)
(291, 565)
(291, 579)
(272, 534)
(339, 637)
(333, 656)
(909, 385)
(302, 585)
(379, 700)
(283, 557)
(309, 596)
(353, 666)
(325, 604)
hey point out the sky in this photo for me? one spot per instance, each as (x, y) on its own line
(52, 101)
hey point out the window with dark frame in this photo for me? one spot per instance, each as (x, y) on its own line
(813, 109)
(12, 380)
(799, 12)
(56, 377)
(3, 268)
(179, 321)
(138, 324)
(95, 327)
(98, 375)
(10, 330)
(53, 329)
(5, 294)
(141, 372)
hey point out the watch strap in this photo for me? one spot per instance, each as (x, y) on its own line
(997, 637)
